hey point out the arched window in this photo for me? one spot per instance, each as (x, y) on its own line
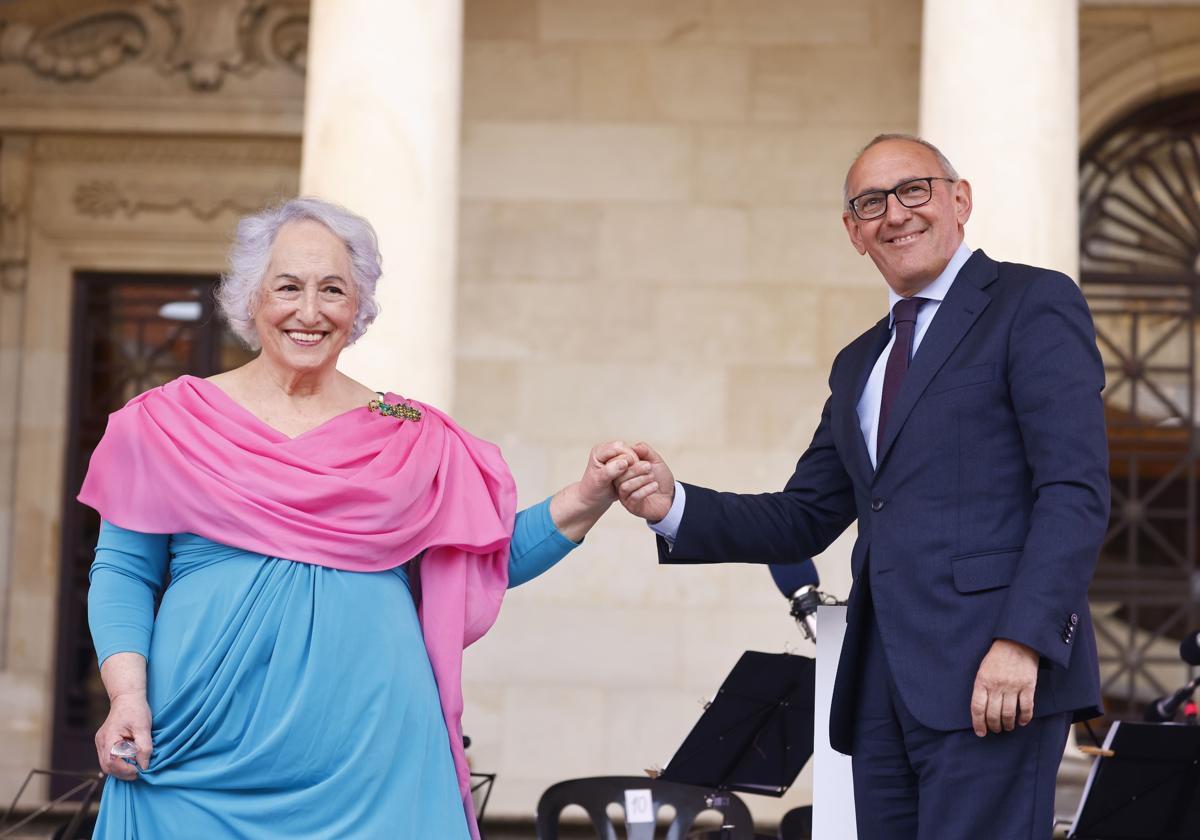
(1140, 269)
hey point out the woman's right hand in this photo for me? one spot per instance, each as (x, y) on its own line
(128, 720)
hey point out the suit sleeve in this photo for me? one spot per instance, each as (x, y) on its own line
(814, 508)
(1055, 379)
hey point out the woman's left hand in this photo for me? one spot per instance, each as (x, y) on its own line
(606, 463)
(577, 507)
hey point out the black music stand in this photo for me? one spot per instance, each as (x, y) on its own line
(757, 733)
(1145, 785)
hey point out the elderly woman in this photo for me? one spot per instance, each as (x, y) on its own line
(330, 551)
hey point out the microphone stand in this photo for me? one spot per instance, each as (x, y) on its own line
(805, 601)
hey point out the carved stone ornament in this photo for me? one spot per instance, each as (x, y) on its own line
(202, 40)
(105, 199)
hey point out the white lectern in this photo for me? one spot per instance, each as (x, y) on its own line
(833, 786)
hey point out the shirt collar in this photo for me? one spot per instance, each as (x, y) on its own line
(939, 287)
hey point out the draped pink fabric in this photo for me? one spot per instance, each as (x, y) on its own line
(363, 492)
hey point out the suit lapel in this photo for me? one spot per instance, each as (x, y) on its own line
(847, 397)
(963, 304)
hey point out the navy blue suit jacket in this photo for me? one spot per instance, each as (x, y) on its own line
(986, 513)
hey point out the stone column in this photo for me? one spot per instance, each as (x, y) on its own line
(1000, 96)
(381, 137)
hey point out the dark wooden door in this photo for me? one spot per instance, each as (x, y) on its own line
(130, 333)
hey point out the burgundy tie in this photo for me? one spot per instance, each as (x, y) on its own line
(904, 314)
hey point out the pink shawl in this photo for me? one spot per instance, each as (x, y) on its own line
(363, 492)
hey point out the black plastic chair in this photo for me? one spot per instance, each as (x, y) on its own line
(797, 824)
(597, 793)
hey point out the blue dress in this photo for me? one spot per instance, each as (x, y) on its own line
(288, 700)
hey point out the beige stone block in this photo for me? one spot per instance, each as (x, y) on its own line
(712, 644)
(845, 314)
(772, 406)
(483, 721)
(25, 727)
(528, 240)
(515, 80)
(676, 401)
(529, 465)
(537, 322)
(762, 164)
(1109, 56)
(483, 389)
(805, 247)
(898, 23)
(555, 730)
(871, 86)
(576, 162)
(588, 643)
(614, 83)
(807, 22)
(1178, 68)
(1171, 27)
(516, 19)
(617, 565)
(668, 243)
(754, 324)
(645, 725)
(32, 617)
(692, 82)
(662, 21)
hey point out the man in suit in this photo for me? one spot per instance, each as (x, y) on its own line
(965, 434)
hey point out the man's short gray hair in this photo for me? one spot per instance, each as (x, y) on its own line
(947, 167)
(240, 286)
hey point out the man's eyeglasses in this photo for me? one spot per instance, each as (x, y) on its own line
(914, 193)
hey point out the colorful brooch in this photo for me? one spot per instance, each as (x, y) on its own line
(403, 411)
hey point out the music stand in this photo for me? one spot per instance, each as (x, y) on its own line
(756, 734)
(1144, 786)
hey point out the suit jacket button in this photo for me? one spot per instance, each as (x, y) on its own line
(1074, 619)
(876, 505)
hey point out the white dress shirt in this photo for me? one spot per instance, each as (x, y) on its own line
(868, 403)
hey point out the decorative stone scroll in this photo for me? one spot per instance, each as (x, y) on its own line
(204, 41)
(104, 199)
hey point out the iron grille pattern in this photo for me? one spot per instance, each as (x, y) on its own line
(1140, 261)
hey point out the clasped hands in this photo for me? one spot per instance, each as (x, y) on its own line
(1002, 696)
(635, 475)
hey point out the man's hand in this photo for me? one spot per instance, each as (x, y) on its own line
(647, 488)
(1004, 686)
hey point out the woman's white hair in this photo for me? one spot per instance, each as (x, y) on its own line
(240, 286)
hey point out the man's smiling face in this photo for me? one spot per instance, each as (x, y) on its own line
(909, 245)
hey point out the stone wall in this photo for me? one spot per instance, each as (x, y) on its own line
(651, 248)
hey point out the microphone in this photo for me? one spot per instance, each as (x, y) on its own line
(1189, 648)
(790, 577)
(798, 583)
(1163, 709)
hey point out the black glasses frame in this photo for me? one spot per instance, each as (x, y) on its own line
(895, 191)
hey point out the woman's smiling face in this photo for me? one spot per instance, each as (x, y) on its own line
(307, 303)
